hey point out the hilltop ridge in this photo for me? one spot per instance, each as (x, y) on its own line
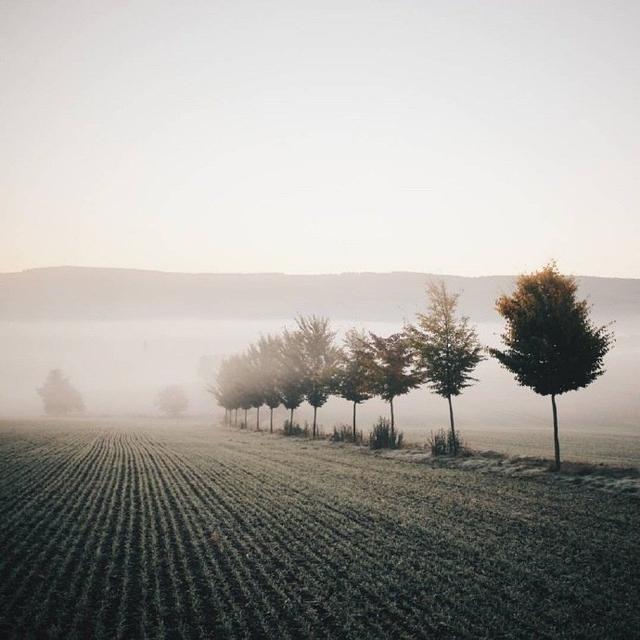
(88, 293)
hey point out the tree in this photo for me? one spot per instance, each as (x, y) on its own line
(228, 388)
(269, 350)
(59, 396)
(447, 347)
(255, 381)
(245, 384)
(391, 368)
(352, 380)
(290, 378)
(552, 345)
(318, 357)
(172, 400)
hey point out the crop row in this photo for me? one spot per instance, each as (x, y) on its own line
(147, 532)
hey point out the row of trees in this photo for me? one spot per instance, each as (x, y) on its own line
(440, 349)
(551, 346)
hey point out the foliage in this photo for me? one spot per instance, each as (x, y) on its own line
(227, 389)
(59, 397)
(353, 367)
(352, 379)
(391, 370)
(384, 437)
(344, 433)
(438, 443)
(282, 369)
(442, 443)
(172, 400)
(291, 370)
(294, 429)
(318, 356)
(447, 347)
(391, 363)
(552, 346)
(240, 383)
(269, 362)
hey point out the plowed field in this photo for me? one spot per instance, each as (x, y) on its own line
(159, 530)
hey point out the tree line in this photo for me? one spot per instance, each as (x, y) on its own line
(305, 364)
(550, 345)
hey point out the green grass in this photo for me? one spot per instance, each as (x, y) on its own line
(168, 530)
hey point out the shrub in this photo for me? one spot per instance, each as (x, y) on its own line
(344, 433)
(438, 443)
(294, 429)
(382, 438)
(454, 443)
(443, 443)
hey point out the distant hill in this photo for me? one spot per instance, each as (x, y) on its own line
(82, 293)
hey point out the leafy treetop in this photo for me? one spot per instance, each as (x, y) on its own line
(447, 347)
(551, 344)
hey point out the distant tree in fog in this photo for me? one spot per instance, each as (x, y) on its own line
(352, 380)
(391, 368)
(318, 356)
(172, 401)
(59, 396)
(255, 381)
(291, 370)
(269, 350)
(552, 345)
(446, 346)
(226, 388)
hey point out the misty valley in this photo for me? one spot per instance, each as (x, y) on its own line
(320, 320)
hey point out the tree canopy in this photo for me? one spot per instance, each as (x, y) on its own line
(59, 396)
(552, 346)
(447, 346)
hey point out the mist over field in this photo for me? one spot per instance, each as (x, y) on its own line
(218, 221)
(122, 335)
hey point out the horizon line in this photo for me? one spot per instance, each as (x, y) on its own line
(71, 267)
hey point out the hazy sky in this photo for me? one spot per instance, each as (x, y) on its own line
(458, 137)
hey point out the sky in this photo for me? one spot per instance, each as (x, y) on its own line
(471, 138)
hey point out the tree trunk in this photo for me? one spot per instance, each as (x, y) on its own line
(258, 418)
(393, 424)
(270, 419)
(291, 420)
(556, 440)
(245, 419)
(315, 411)
(453, 426)
(236, 419)
(354, 421)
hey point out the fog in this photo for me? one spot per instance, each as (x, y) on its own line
(119, 367)
(226, 143)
